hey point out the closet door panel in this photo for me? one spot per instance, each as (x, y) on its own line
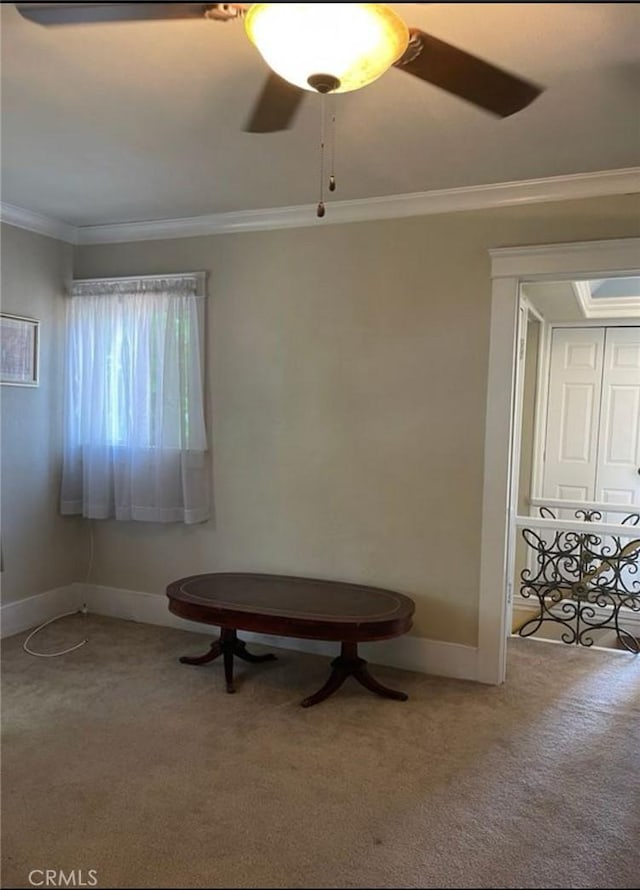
(575, 389)
(617, 478)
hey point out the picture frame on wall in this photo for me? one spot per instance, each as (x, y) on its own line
(19, 350)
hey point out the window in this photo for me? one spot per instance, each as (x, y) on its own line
(134, 435)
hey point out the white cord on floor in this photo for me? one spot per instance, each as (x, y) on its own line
(81, 611)
(25, 645)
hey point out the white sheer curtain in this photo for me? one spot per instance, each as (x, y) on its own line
(134, 434)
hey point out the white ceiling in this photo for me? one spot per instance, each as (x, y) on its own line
(558, 301)
(143, 121)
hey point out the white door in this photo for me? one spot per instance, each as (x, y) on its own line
(592, 445)
(617, 479)
(575, 387)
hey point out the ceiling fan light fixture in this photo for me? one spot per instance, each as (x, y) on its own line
(353, 43)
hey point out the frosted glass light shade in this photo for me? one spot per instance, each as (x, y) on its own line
(353, 42)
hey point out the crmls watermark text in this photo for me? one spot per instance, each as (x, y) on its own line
(57, 877)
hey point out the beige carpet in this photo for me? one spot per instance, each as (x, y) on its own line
(119, 759)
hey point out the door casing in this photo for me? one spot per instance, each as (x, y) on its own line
(510, 267)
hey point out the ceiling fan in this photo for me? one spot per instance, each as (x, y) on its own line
(369, 37)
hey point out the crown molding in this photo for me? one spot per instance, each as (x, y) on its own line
(36, 222)
(611, 307)
(556, 188)
(480, 197)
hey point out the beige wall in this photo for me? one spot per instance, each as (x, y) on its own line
(347, 375)
(528, 415)
(41, 549)
(527, 450)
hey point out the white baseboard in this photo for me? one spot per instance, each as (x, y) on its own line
(406, 652)
(24, 614)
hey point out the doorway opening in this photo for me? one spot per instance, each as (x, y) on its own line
(510, 268)
(577, 454)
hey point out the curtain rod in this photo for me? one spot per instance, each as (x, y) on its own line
(94, 286)
(174, 275)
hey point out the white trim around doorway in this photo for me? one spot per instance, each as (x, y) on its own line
(509, 268)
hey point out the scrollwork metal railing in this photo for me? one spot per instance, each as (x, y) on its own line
(584, 581)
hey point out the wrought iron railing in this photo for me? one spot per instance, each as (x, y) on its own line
(584, 581)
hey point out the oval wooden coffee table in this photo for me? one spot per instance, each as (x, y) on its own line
(306, 608)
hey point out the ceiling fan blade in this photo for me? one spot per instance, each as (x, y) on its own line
(276, 106)
(86, 13)
(466, 76)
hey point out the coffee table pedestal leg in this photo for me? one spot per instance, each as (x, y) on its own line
(228, 645)
(349, 664)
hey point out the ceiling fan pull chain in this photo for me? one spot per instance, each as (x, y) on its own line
(323, 100)
(332, 144)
